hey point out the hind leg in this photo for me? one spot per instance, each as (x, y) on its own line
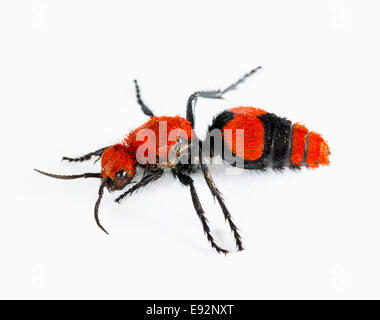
(187, 181)
(216, 194)
(215, 94)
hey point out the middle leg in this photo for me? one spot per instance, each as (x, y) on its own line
(145, 109)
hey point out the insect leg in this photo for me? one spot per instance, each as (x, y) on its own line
(143, 106)
(86, 157)
(234, 85)
(214, 94)
(150, 177)
(216, 194)
(187, 181)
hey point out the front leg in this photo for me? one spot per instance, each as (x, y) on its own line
(97, 153)
(150, 177)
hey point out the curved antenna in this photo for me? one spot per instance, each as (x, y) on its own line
(70, 177)
(96, 210)
(84, 175)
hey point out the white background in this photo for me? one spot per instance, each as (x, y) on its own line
(66, 71)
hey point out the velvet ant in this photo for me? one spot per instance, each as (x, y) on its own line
(266, 141)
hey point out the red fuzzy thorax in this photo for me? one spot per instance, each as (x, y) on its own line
(160, 134)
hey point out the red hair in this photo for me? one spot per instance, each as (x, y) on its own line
(117, 158)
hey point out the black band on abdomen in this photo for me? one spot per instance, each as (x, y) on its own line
(281, 142)
(269, 121)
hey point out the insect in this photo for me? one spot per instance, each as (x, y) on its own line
(267, 141)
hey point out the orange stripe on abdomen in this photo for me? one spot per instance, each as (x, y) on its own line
(246, 119)
(317, 150)
(247, 111)
(298, 144)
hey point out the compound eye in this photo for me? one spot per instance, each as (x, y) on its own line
(121, 175)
